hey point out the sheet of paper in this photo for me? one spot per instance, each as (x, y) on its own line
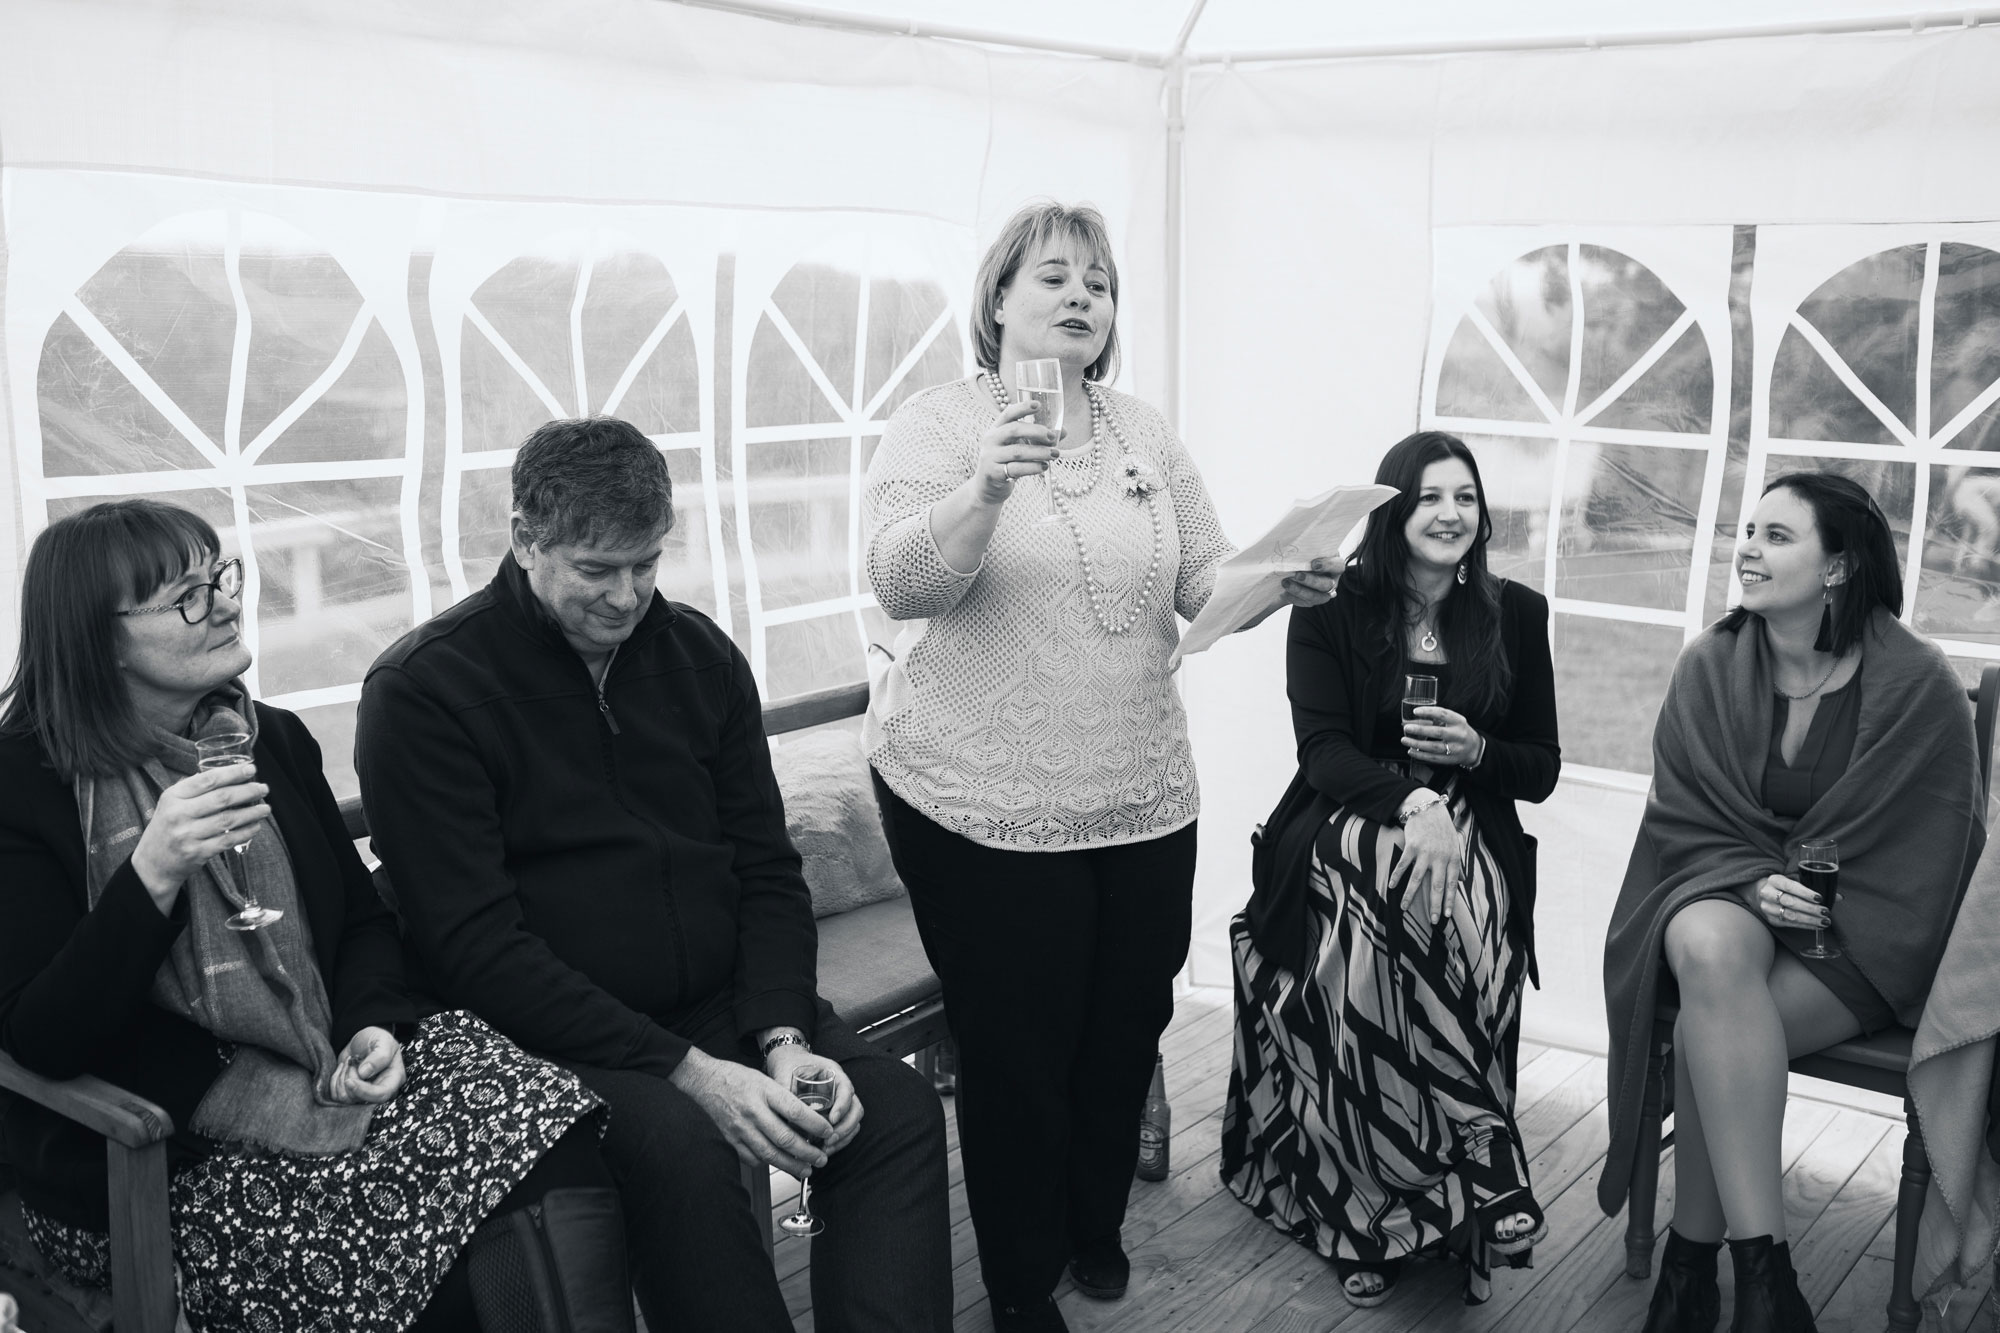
(1247, 584)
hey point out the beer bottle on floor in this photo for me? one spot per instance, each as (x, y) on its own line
(1155, 1126)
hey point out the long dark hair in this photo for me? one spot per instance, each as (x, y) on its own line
(67, 690)
(1378, 574)
(1850, 523)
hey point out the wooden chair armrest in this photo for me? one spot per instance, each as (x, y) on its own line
(123, 1117)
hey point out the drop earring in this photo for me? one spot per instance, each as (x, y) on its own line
(1461, 573)
(1824, 643)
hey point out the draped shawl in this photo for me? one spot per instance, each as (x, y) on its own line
(260, 989)
(1906, 814)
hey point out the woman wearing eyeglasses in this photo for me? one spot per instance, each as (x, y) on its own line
(332, 1157)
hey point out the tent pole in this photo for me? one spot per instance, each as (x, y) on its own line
(1176, 77)
(1915, 25)
(1176, 89)
(780, 11)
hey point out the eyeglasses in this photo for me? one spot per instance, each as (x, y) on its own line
(197, 602)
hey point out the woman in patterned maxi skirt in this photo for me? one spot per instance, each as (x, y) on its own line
(1379, 966)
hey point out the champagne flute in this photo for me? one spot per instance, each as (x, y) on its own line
(815, 1087)
(226, 750)
(1040, 382)
(1819, 870)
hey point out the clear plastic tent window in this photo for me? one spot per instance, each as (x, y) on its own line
(354, 445)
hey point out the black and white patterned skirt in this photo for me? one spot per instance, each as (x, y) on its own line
(357, 1242)
(1370, 1108)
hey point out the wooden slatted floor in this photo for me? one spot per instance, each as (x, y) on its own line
(1202, 1264)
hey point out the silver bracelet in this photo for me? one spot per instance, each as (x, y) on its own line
(1403, 817)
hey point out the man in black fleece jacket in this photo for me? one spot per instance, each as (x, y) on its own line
(567, 781)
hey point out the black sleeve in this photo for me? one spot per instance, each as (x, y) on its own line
(365, 986)
(1324, 673)
(777, 941)
(1523, 756)
(433, 814)
(71, 981)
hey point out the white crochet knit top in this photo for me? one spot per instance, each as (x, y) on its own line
(1007, 711)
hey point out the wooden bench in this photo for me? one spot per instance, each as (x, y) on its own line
(872, 970)
(1879, 1063)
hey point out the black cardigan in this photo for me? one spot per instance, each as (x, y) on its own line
(1335, 686)
(605, 879)
(74, 982)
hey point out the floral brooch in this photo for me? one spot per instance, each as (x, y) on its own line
(1137, 476)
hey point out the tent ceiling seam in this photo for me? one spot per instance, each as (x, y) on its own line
(1881, 24)
(804, 15)
(781, 11)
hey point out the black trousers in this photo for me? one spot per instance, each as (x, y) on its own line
(883, 1264)
(1058, 972)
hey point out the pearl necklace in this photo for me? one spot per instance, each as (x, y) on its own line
(1100, 416)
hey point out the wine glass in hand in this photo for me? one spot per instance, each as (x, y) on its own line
(227, 750)
(1040, 382)
(1819, 870)
(814, 1087)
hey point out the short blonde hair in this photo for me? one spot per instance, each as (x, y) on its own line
(1027, 231)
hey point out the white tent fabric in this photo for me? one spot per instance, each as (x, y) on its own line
(314, 266)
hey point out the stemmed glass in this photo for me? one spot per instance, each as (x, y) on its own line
(815, 1088)
(1819, 870)
(226, 750)
(1040, 382)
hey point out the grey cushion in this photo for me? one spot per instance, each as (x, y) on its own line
(871, 963)
(832, 818)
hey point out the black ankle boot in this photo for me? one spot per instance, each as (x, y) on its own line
(1768, 1299)
(1686, 1298)
(555, 1266)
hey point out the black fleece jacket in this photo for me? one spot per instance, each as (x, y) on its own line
(605, 878)
(74, 981)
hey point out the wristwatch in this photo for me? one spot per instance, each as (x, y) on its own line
(1404, 816)
(785, 1039)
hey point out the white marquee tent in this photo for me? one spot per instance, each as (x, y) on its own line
(313, 267)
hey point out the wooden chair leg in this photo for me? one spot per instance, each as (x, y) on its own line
(757, 1180)
(143, 1295)
(1645, 1189)
(1905, 1315)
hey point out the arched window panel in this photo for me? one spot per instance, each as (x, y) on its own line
(1610, 678)
(559, 313)
(1887, 369)
(1965, 354)
(1518, 475)
(166, 300)
(1583, 370)
(1958, 588)
(832, 343)
(333, 583)
(225, 359)
(799, 520)
(1629, 516)
(95, 421)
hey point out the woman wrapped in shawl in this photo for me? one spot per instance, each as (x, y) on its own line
(1808, 713)
(332, 1155)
